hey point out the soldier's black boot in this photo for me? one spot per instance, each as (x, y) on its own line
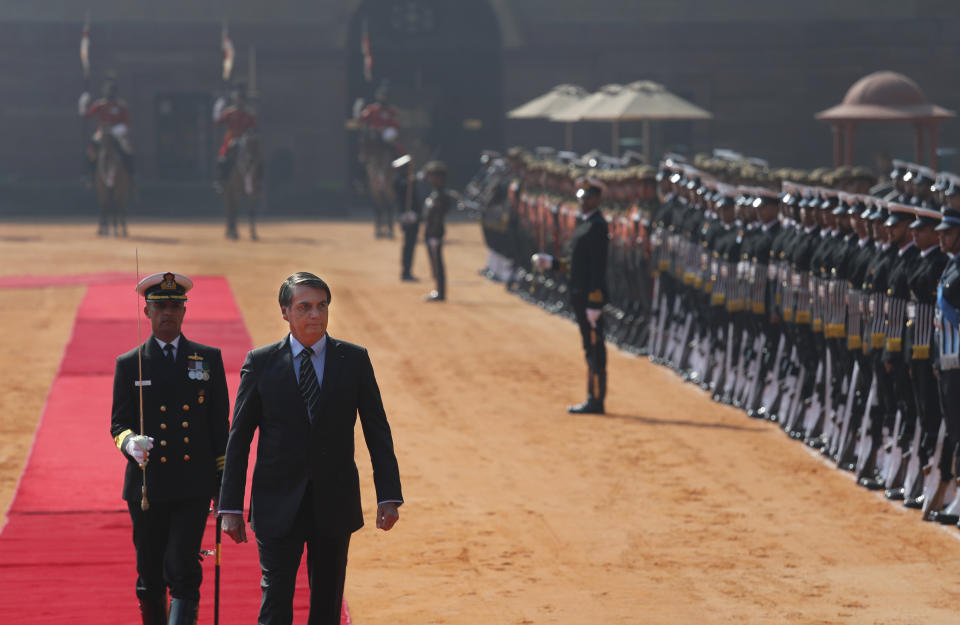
(596, 391)
(153, 612)
(591, 406)
(183, 612)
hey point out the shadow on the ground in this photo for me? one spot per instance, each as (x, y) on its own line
(682, 422)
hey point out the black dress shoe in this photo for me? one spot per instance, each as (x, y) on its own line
(944, 518)
(894, 494)
(409, 278)
(871, 483)
(914, 504)
(591, 406)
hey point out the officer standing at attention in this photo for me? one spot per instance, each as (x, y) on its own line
(408, 207)
(435, 208)
(587, 268)
(180, 449)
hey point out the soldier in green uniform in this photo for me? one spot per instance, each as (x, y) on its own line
(179, 449)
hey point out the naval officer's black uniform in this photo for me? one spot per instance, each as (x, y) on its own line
(186, 412)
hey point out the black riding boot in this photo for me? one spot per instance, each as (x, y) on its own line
(153, 612)
(183, 612)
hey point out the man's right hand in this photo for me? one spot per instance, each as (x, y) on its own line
(234, 527)
(138, 447)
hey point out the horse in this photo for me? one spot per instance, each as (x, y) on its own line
(243, 183)
(377, 158)
(113, 185)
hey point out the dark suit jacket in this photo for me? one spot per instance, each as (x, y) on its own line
(187, 416)
(292, 451)
(588, 260)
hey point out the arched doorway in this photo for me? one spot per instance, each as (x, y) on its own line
(443, 63)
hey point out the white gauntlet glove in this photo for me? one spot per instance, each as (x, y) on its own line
(84, 103)
(138, 447)
(541, 262)
(592, 315)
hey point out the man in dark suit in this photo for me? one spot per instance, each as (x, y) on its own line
(304, 394)
(179, 449)
(587, 269)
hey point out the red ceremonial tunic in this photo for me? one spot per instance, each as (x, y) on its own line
(379, 116)
(109, 113)
(237, 121)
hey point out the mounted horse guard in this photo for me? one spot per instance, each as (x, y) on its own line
(239, 161)
(110, 156)
(378, 149)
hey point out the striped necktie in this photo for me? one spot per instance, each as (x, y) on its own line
(309, 386)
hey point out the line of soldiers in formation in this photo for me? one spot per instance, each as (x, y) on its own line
(824, 301)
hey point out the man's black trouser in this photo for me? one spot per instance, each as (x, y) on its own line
(436, 264)
(409, 244)
(594, 347)
(326, 570)
(167, 538)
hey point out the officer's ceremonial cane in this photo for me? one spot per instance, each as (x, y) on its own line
(216, 574)
(144, 503)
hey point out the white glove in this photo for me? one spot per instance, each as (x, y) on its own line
(592, 315)
(138, 447)
(433, 242)
(84, 103)
(541, 262)
(408, 217)
(119, 130)
(218, 107)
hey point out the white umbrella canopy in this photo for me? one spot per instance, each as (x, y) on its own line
(575, 111)
(558, 98)
(644, 100)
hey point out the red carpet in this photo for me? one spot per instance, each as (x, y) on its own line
(66, 553)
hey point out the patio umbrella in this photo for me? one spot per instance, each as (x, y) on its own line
(644, 101)
(558, 98)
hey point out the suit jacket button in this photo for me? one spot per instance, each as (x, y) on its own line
(186, 407)
(163, 443)
(163, 426)
(186, 457)
(163, 458)
(163, 408)
(185, 424)
(186, 439)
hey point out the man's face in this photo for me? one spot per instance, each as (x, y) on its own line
(949, 240)
(166, 318)
(437, 179)
(898, 233)
(589, 202)
(307, 314)
(924, 237)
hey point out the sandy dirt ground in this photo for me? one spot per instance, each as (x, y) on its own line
(669, 510)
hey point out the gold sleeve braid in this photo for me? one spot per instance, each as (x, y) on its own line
(118, 439)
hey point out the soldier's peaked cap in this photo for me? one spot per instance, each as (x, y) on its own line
(925, 217)
(899, 212)
(165, 287)
(949, 218)
(436, 167)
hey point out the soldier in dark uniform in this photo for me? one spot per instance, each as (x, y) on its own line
(894, 391)
(180, 449)
(587, 269)
(947, 337)
(408, 207)
(435, 208)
